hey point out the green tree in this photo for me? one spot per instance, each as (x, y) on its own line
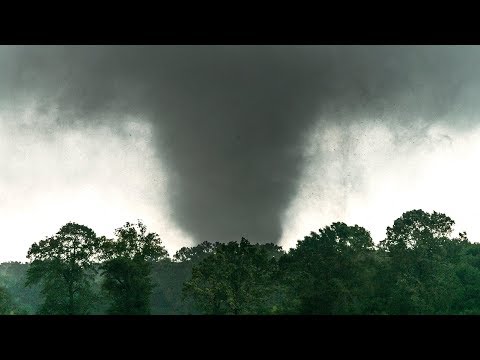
(127, 266)
(196, 253)
(235, 279)
(170, 275)
(64, 264)
(330, 272)
(6, 304)
(12, 278)
(423, 257)
(417, 229)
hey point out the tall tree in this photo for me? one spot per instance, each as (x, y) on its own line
(417, 229)
(329, 272)
(64, 264)
(235, 279)
(422, 255)
(127, 266)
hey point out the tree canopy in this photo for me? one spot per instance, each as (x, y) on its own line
(421, 267)
(235, 278)
(65, 265)
(126, 268)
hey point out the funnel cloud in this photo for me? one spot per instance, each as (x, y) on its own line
(232, 126)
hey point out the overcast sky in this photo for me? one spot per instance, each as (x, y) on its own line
(212, 143)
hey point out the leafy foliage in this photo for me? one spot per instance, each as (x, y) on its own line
(234, 279)
(6, 304)
(126, 268)
(419, 268)
(422, 263)
(326, 272)
(12, 278)
(64, 265)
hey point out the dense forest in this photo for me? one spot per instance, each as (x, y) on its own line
(420, 267)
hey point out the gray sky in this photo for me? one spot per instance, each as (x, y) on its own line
(219, 142)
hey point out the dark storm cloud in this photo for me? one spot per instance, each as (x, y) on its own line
(231, 121)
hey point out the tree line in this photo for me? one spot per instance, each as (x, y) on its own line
(420, 267)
